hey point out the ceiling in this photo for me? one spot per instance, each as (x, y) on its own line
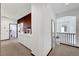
(62, 7)
(15, 10)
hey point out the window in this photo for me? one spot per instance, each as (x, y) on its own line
(64, 28)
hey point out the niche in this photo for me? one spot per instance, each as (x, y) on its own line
(24, 24)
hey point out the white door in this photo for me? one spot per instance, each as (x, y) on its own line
(13, 31)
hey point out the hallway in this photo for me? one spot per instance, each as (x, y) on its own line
(13, 48)
(37, 25)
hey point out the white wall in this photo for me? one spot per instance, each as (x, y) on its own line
(5, 27)
(41, 29)
(77, 30)
(69, 21)
(73, 12)
(40, 40)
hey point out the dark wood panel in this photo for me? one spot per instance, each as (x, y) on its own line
(26, 20)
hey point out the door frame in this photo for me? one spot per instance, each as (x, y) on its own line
(16, 29)
(53, 34)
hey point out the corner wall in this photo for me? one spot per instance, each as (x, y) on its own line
(41, 29)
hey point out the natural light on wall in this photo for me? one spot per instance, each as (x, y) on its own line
(63, 28)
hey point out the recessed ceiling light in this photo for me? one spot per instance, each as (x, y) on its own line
(66, 3)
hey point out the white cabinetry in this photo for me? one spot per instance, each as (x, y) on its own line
(25, 39)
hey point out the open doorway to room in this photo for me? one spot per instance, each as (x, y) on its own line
(64, 37)
(13, 31)
(66, 30)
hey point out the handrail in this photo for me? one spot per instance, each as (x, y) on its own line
(67, 38)
(65, 33)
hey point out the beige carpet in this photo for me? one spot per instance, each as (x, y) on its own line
(64, 50)
(13, 48)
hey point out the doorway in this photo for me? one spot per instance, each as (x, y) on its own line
(53, 35)
(13, 31)
(63, 37)
(66, 30)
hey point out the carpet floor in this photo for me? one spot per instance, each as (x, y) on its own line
(64, 50)
(13, 48)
